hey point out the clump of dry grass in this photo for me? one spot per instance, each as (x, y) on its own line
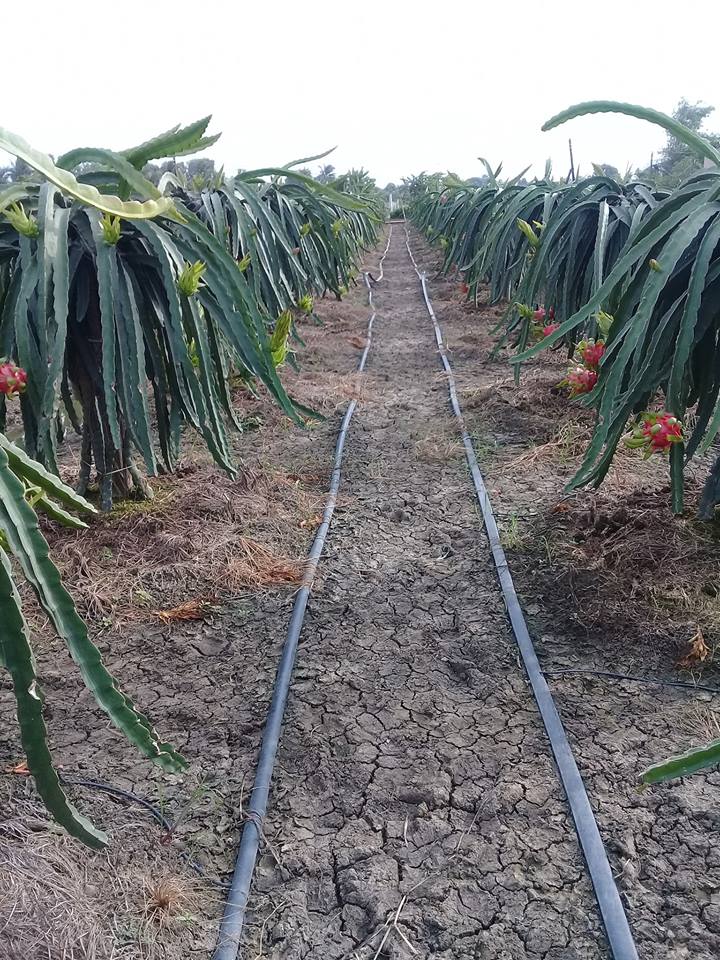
(437, 449)
(57, 904)
(569, 442)
(167, 898)
(46, 909)
(326, 391)
(253, 565)
(699, 722)
(174, 556)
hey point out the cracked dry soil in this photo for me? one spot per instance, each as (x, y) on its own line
(413, 768)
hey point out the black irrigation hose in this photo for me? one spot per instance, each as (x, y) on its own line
(234, 914)
(153, 810)
(653, 681)
(612, 911)
(119, 794)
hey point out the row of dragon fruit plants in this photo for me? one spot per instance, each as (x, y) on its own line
(128, 312)
(624, 277)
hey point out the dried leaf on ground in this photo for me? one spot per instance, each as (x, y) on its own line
(196, 609)
(698, 652)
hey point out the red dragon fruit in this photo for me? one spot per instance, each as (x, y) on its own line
(580, 380)
(655, 433)
(550, 328)
(464, 288)
(13, 379)
(591, 352)
(539, 315)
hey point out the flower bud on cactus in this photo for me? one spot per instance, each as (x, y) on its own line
(604, 322)
(280, 337)
(110, 229)
(189, 279)
(13, 379)
(530, 235)
(244, 263)
(305, 303)
(580, 380)
(655, 433)
(24, 224)
(305, 229)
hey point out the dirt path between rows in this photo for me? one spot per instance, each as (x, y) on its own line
(412, 768)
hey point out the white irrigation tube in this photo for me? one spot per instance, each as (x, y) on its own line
(233, 918)
(612, 911)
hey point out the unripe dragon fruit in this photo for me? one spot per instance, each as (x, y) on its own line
(655, 433)
(591, 352)
(13, 379)
(580, 380)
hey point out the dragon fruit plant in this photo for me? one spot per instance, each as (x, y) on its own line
(26, 490)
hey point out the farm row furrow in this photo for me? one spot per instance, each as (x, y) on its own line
(415, 803)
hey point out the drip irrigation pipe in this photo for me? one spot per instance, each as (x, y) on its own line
(657, 681)
(157, 814)
(125, 795)
(234, 913)
(612, 911)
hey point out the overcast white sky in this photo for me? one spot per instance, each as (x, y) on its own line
(399, 87)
